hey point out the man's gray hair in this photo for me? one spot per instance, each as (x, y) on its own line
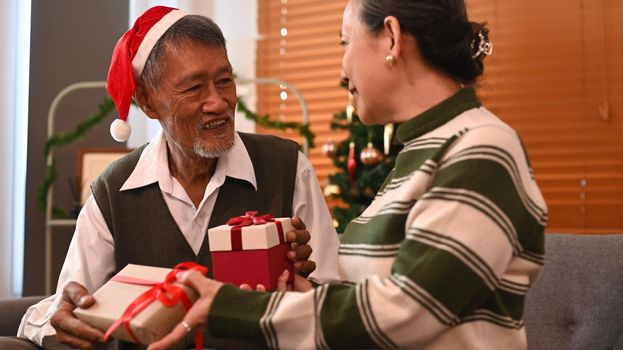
(190, 28)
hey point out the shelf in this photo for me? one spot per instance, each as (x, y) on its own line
(61, 222)
(49, 222)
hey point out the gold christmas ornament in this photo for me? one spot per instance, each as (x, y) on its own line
(350, 109)
(329, 148)
(332, 190)
(370, 155)
(336, 223)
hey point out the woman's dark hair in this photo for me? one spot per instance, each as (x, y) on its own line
(447, 39)
(190, 28)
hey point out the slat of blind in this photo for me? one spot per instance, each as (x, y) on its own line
(304, 8)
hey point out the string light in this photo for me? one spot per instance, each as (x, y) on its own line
(283, 50)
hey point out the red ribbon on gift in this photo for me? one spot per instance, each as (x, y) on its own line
(250, 218)
(165, 292)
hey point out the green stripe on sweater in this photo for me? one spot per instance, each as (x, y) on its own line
(505, 303)
(236, 313)
(392, 226)
(340, 309)
(491, 180)
(410, 161)
(461, 292)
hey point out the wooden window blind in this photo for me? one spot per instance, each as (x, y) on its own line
(556, 76)
(311, 59)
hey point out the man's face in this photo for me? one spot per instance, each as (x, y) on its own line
(195, 100)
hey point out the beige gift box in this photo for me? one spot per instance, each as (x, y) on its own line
(113, 298)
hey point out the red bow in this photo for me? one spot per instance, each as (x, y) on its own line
(250, 218)
(165, 292)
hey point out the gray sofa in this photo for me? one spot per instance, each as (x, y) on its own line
(576, 303)
(11, 312)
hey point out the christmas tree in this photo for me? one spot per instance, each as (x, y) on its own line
(364, 160)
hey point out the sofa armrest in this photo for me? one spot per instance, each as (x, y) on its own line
(12, 311)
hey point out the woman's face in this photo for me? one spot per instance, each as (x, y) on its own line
(363, 67)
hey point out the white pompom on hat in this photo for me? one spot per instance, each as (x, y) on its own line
(128, 60)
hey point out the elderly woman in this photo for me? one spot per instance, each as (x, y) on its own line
(445, 254)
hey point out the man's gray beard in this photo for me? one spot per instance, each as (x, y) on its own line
(213, 152)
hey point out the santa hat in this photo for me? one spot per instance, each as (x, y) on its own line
(128, 61)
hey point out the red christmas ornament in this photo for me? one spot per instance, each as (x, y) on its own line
(370, 155)
(351, 164)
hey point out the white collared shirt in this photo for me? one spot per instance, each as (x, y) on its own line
(90, 257)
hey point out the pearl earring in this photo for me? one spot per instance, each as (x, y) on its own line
(390, 59)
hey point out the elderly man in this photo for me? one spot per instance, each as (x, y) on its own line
(154, 206)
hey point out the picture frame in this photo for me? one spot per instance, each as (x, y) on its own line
(91, 163)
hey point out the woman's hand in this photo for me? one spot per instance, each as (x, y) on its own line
(258, 288)
(197, 316)
(300, 284)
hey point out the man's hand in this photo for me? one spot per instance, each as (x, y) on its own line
(69, 329)
(299, 255)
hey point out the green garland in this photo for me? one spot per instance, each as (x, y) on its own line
(265, 121)
(60, 139)
(105, 108)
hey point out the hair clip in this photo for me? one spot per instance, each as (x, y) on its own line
(485, 47)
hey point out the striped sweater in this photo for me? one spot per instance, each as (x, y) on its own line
(441, 259)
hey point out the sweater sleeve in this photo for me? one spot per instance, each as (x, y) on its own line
(472, 247)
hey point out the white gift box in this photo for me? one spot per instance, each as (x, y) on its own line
(262, 236)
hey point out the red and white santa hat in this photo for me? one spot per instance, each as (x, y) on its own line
(128, 61)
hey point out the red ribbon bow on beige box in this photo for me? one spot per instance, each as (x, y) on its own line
(165, 292)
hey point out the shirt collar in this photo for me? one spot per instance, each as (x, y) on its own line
(153, 165)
